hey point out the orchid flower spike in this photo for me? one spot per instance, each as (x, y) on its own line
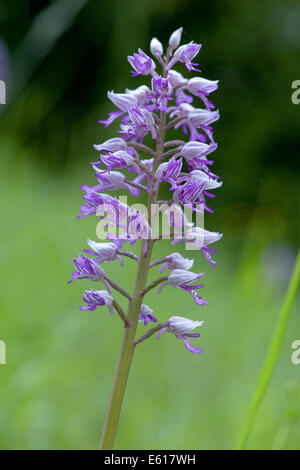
(168, 174)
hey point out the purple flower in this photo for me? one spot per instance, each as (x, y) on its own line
(186, 53)
(182, 278)
(162, 90)
(176, 261)
(122, 100)
(199, 85)
(180, 327)
(95, 201)
(176, 79)
(202, 117)
(193, 150)
(198, 239)
(156, 47)
(175, 38)
(120, 159)
(112, 145)
(110, 181)
(141, 63)
(141, 94)
(169, 171)
(138, 226)
(194, 189)
(97, 298)
(196, 153)
(146, 315)
(202, 178)
(192, 119)
(141, 123)
(103, 252)
(189, 192)
(87, 269)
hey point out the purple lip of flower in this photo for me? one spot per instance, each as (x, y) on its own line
(87, 269)
(180, 327)
(182, 97)
(141, 63)
(111, 118)
(97, 298)
(146, 315)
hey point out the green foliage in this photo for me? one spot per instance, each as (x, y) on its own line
(60, 361)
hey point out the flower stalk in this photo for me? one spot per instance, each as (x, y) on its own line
(127, 347)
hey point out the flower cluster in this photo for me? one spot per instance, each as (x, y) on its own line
(141, 159)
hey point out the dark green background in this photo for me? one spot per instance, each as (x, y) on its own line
(58, 60)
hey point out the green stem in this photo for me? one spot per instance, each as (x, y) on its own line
(125, 357)
(127, 346)
(272, 355)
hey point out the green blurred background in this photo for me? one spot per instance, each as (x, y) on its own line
(58, 59)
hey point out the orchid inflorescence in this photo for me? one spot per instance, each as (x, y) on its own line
(148, 113)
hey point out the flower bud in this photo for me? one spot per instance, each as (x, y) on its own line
(122, 100)
(197, 85)
(181, 325)
(175, 38)
(176, 79)
(112, 145)
(156, 47)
